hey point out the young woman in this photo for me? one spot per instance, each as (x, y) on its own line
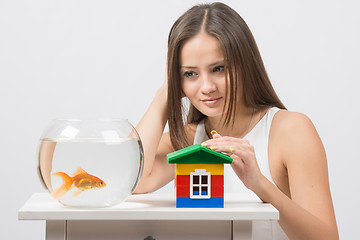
(213, 60)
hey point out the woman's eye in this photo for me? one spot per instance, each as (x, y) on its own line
(218, 69)
(190, 74)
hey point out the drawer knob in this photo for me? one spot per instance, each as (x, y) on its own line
(149, 238)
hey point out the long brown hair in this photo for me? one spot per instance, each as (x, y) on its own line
(242, 63)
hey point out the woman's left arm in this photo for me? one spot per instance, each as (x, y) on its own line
(309, 213)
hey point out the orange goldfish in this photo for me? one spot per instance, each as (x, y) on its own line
(80, 179)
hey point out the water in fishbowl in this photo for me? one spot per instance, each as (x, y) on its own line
(90, 172)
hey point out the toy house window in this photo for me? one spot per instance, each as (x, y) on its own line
(200, 184)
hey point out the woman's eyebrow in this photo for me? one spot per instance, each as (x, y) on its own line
(188, 67)
(216, 63)
(210, 65)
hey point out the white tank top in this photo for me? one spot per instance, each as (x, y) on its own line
(259, 138)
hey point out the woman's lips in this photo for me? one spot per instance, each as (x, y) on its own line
(211, 101)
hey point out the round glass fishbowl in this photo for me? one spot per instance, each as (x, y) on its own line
(90, 162)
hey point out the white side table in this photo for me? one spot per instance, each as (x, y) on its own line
(152, 215)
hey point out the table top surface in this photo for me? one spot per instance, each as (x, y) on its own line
(149, 207)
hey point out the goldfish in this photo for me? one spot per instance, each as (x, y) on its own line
(80, 179)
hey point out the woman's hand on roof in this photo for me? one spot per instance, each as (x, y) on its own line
(243, 154)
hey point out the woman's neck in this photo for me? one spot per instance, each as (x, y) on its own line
(243, 122)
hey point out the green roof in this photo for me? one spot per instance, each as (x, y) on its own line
(196, 154)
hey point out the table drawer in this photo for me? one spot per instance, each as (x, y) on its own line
(139, 230)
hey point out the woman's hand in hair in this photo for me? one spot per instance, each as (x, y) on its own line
(243, 154)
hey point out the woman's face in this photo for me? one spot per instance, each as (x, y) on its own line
(203, 75)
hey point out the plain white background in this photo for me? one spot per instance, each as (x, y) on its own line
(87, 58)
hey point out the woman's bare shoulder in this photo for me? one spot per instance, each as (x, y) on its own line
(292, 133)
(289, 122)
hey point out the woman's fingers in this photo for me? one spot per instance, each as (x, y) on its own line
(237, 164)
(214, 134)
(227, 146)
(243, 155)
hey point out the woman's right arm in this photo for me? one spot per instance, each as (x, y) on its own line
(156, 145)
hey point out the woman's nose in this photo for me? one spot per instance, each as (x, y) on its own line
(207, 85)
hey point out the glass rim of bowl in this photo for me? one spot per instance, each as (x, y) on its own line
(91, 119)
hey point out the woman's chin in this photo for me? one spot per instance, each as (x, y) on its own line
(211, 113)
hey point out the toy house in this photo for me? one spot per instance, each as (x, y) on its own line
(199, 177)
